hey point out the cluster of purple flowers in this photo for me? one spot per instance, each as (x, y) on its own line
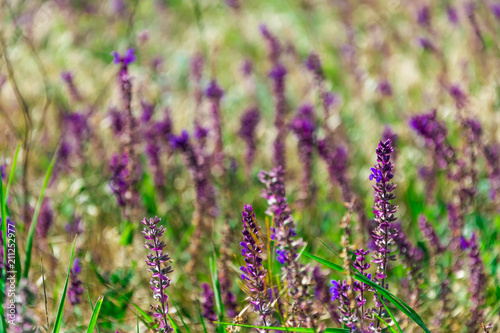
(253, 272)
(158, 263)
(75, 289)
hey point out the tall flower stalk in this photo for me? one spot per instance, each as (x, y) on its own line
(158, 263)
(301, 309)
(384, 211)
(253, 272)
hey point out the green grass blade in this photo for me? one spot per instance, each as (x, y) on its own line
(202, 320)
(95, 315)
(137, 323)
(295, 329)
(390, 328)
(12, 171)
(174, 325)
(324, 262)
(92, 307)
(31, 232)
(390, 314)
(179, 314)
(60, 310)
(216, 287)
(402, 306)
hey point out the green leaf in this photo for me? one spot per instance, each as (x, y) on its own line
(216, 286)
(60, 310)
(402, 306)
(389, 327)
(294, 329)
(390, 313)
(92, 307)
(202, 320)
(95, 315)
(12, 171)
(174, 325)
(31, 232)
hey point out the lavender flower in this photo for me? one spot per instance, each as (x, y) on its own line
(45, 219)
(435, 133)
(208, 303)
(117, 121)
(341, 290)
(247, 68)
(390, 134)
(452, 14)
(120, 178)
(384, 211)
(74, 227)
(248, 123)
(253, 272)
(278, 74)
(458, 96)
(384, 88)
(303, 126)
(430, 234)
(75, 289)
(492, 156)
(274, 45)
(296, 274)
(495, 9)
(214, 94)
(424, 16)
(477, 285)
(158, 263)
(67, 77)
(196, 73)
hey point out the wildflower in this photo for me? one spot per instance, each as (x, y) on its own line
(452, 14)
(424, 16)
(208, 303)
(278, 74)
(45, 219)
(384, 88)
(67, 77)
(248, 123)
(296, 274)
(303, 126)
(75, 289)
(429, 233)
(214, 93)
(158, 263)
(275, 48)
(253, 272)
(477, 284)
(384, 211)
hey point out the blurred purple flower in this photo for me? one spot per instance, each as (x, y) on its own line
(75, 289)
(208, 303)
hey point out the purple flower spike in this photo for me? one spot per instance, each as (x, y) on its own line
(248, 124)
(303, 125)
(254, 273)
(158, 263)
(208, 303)
(384, 211)
(495, 9)
(75, 289)
(126, 59)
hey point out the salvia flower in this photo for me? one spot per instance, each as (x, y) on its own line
(274, 45)
(424, 16)
(214, 93)
(45, 219)
(158, 263)
(495, 9)
(75, 289)
(297, 275)
(253, 272)
(452, 14)
(67, 77)
(384, 210)
(303, 125)
(248, 124)
(278, 74)
(384, 87)
(477, 284)
(430, 234)
(208, 303)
